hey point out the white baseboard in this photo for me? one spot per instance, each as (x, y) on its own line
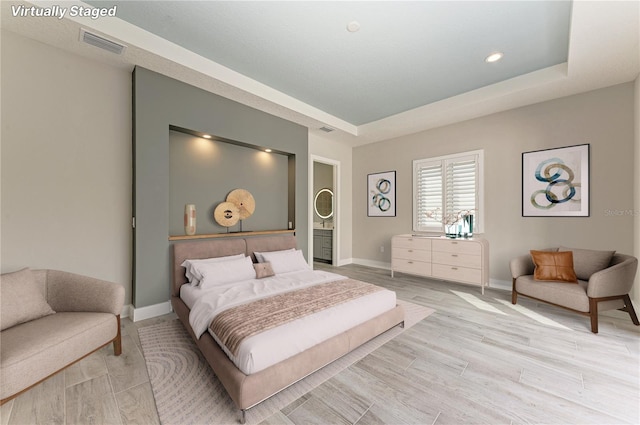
(344, 262)
(372, 263)
(505, 285)
(150, 311)
(127, 311)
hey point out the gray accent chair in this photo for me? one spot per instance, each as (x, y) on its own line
(81, 315)
(599, 288)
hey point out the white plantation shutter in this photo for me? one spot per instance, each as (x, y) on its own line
(429, 194)
(460, 185)
(445, 186)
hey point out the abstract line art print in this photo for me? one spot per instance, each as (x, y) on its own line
(381, 194)
(555, 182)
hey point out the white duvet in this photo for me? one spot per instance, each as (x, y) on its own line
(270, 347)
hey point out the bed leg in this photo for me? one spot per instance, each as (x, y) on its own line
(243, 416)
(402, 324)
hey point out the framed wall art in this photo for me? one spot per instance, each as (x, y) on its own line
(381, 194)
(555, 182)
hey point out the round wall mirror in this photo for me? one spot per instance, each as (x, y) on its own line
(323, 203)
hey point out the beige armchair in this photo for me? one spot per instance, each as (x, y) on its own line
(605, 279)
(50, 319)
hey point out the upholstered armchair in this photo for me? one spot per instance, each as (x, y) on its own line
(50, 319)
(603, 282)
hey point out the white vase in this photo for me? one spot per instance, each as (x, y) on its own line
(190, 219)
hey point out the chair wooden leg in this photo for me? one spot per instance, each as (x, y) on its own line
(514, 294)
(629, 309)
(593, 313)
(117, 342)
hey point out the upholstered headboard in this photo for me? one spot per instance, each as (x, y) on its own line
(192, 250)
(201, 249)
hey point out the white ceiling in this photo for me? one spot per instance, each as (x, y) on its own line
(411, 66)
(405, 55)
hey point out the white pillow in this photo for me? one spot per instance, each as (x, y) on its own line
(224, 272)
(286, 261)
(191, 266)
(261, 259)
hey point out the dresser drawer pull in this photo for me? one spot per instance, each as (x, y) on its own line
(454, 255)
(454, 268)
(411, 250)
(454, 243)
(409, 262)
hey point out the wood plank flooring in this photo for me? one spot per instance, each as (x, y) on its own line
(462, 365)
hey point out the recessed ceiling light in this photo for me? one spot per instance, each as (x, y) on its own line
(206, 136)
(267, 150)
(353, 26)
(494, 57)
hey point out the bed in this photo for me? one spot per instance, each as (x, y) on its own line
(256, 376)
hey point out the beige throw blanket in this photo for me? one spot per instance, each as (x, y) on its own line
(233, 325)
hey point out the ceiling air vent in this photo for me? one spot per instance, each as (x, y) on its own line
(327, 129)
(101, 42)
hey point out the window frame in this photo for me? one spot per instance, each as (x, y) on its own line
(478, 225)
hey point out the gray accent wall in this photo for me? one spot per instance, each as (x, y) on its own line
(160, 102)
(203, 172)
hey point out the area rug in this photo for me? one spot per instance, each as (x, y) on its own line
(186, 390)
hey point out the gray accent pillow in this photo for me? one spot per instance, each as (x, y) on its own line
(588, 261)
(263, 270)
(21, 299)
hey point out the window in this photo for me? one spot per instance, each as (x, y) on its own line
(446, 187)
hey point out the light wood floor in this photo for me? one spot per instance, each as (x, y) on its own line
(476, 360)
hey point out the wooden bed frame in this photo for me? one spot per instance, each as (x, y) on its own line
(248, 390)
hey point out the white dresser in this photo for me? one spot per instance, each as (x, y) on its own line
(458, 260)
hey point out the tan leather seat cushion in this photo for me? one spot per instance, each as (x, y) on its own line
(554, 266)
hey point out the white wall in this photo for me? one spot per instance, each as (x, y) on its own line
(635, 294)
(343, 154)
(603, 118)
(66, 162)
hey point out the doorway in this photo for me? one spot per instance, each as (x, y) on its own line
(324, 211)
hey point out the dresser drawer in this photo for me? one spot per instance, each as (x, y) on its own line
(412, 254)
(460, 247)
(455, 259)
(412, 267)
(460, 274)
(411, 242)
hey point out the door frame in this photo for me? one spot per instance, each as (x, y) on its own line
(335, 249)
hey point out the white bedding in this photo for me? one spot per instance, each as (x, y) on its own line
(267, 348)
